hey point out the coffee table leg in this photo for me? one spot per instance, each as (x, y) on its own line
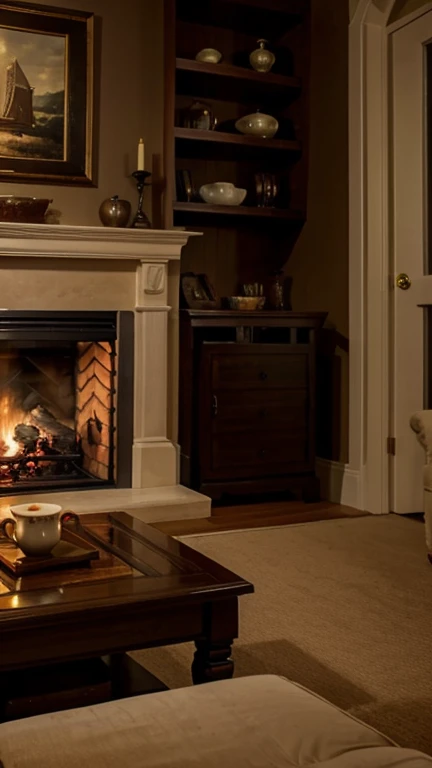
(212, 662)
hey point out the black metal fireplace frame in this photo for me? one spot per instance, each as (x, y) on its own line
(35, 326)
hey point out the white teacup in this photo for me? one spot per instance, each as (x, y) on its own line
(36, 528)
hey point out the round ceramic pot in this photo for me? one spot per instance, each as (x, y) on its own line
(114, 212)
(209, 56)
(35, 528)
(262, 60)
(258, 124)
(222, 193)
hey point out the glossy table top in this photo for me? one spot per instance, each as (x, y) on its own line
(137, 564)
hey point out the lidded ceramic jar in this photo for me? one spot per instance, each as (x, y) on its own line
(261, 59)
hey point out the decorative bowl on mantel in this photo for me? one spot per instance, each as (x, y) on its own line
(27, 210)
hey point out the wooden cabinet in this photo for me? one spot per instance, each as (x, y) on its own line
(247, 409)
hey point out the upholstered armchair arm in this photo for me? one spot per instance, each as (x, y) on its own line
(421, 424)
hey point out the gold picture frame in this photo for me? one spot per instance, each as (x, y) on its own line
(46, 94)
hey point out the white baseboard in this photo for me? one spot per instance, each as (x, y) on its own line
(339, 483)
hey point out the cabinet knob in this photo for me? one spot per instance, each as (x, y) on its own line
(263, 376)
(263, 413)
(262, 453)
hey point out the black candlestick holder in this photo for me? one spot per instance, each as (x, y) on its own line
(141, 220)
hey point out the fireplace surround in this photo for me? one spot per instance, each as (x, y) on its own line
(122, 273)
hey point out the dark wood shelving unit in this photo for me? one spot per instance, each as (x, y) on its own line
(260, 435)
(231, 147)
(232, 89)
(219, 137)
(204, 209)
(231, 82)
(256, 18)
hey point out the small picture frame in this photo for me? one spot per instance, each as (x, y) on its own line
(196, 292)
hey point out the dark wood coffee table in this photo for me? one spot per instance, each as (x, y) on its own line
(147, 590)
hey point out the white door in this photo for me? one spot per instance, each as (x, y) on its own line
(410, 203)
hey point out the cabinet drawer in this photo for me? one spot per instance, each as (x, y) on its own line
(255, 410)
(260, 370)
(258, 453)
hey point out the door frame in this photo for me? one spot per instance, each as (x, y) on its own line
(370, 383)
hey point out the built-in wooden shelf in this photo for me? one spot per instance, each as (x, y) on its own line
(260, 18)
(237, 140)
(205, 209)
(230, 83)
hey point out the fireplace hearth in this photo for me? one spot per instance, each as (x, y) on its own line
(65, 400)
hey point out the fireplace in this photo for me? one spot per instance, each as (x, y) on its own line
(82, 275)
(66, 394)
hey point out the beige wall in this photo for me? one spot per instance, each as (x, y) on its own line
(129, 104)
(319, 263)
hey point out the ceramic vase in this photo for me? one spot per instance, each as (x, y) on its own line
(261, 59)
(114, 212)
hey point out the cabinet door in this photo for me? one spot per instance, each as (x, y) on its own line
(255, 411)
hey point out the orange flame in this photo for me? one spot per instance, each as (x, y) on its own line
(10, 416)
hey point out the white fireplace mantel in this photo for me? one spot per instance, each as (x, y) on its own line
(55, 267)
(70, 242)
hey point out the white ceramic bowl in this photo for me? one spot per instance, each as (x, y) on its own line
(222, 193)
(209, 55)
(258, 124)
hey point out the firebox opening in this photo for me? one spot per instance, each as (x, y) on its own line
(59, 385)
(56, 413)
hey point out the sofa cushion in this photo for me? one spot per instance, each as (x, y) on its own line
(248, 722)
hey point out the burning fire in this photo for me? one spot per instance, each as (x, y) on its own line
(31, 442)
(10, 416)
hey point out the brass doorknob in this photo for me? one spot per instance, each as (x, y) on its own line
(403, 281)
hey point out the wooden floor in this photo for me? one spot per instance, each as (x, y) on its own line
(257, 516)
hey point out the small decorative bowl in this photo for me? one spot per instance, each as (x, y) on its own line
(27, 210)
(222, 193)
(258, 124)
(209, 56)
(246, 302)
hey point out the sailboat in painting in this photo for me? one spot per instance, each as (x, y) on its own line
(17, 114)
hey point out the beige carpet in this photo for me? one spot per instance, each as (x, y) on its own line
(343, 607)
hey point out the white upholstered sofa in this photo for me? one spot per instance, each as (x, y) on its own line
(421, 423)
(253, 722)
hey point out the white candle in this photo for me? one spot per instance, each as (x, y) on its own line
(140, 166)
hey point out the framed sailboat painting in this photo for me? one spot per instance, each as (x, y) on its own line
(46, 94)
